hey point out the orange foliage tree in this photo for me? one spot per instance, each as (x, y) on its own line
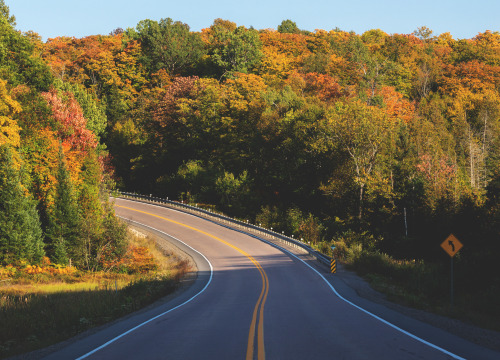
(99, 62)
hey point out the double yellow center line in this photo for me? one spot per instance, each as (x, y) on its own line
(258, 312)
(259, 308)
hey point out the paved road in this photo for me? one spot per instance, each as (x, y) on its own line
(254, 301)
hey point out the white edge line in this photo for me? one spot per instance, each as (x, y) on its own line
(359, 307)
(164, 313)
(328, 283)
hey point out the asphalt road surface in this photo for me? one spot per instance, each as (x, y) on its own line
(252, 300)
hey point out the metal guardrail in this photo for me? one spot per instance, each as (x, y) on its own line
(230, 221)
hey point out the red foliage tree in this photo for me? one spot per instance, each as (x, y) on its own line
(73, 126)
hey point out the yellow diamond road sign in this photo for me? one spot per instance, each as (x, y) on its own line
(451, 245)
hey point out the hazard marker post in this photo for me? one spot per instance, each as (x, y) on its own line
(333, 262)
(333, 266)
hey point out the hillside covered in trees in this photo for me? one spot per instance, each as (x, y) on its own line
(53, 198)
(386, 141)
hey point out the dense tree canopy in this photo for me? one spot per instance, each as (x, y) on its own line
(233, 50)
(394, 136)
(168, 45)
(48, 143)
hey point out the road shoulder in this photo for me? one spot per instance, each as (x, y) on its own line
(189, 286)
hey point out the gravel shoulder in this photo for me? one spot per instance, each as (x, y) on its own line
(483, 337)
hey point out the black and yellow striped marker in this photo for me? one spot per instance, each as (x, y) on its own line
(333, 266)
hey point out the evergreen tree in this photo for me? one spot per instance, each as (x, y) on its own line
(102, 236)
(64, 220)
(91, 227)
(20, 229)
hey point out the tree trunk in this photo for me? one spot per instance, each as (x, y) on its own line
(361, 189)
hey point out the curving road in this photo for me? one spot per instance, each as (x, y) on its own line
(252, 300)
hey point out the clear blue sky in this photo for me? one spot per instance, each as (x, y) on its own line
(462, 18)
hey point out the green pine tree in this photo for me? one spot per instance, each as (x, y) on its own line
(60, 255)
(63, 229)
(20, 229)
(101, 233)
(91, 211)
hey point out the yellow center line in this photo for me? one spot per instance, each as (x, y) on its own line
(259, 306)
(261, 352)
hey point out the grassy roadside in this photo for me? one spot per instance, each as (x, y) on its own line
(48, 304)
(425, 286)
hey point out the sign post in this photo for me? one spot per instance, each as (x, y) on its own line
(451, 245)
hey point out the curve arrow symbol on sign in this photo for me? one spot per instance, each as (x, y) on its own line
(451, 245)
(450, 242)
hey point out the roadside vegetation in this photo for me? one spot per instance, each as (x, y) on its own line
(43, 304)
(422, 284)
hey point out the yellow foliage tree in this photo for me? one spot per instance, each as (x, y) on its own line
(9, 130)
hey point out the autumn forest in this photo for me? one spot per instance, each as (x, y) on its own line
(378, 143)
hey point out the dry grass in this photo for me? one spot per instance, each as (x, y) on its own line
(40, 307)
